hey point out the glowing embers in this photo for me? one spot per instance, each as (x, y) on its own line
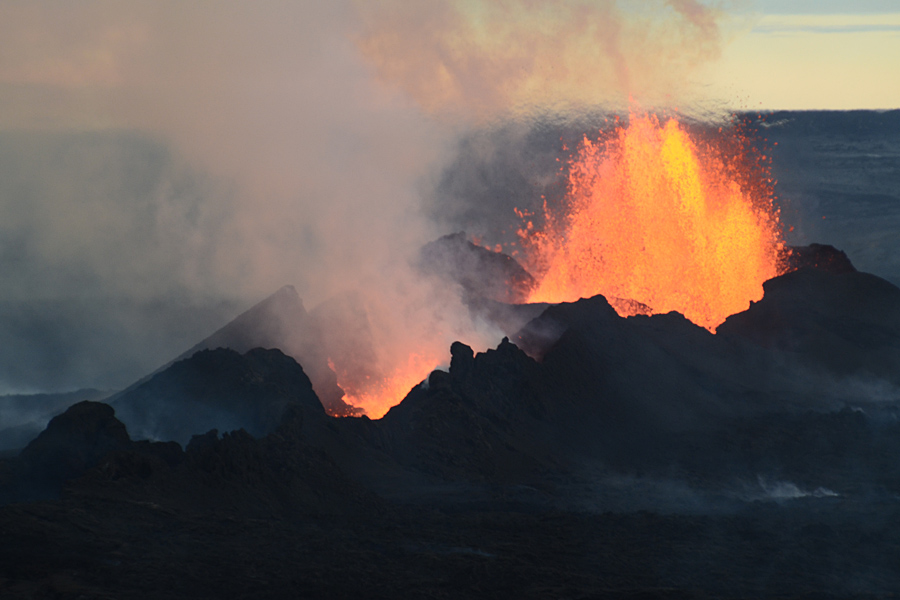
(654, 217)
(378, 393)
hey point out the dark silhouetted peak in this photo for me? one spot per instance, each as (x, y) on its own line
(75, 441)
(24, 416)
(843, 322)
(505, 347)
(201, 441)
(281, 321)
(481, 272)
(462, 361)
(539, 334)
(508, 360)
(819, 256)
(809, 295)
(464, 423)
(219, 389)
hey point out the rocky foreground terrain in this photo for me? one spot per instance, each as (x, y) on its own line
(586, 456)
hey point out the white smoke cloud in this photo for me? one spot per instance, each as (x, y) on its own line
(201, 155)
(269, 98)
(481, 60)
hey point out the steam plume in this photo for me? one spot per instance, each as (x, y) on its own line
(201, 155)
(195, 156)
(483, 59)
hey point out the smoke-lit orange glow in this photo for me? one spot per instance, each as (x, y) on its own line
(376, 395)
(656, 217)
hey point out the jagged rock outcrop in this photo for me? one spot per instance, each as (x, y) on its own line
(281, 321)
(75, 440)
(279, 474)
(217, 389)
(72, 443)
(88, 451)
(476, 422)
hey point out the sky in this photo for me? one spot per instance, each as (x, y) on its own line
(808, 54)
(165, 164)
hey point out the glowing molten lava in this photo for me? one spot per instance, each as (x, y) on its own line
(655, 217)
(377, 394)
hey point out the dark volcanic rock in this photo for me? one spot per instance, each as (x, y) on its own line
(88, 450)
(499, 477)
(75, 440)
(482, 273)
(217, 389)
(280, 321)
(72, 443)
(24, 416)
(648, 392)
(476, 423)
(838, 323)
(819, 256)
(279, 474)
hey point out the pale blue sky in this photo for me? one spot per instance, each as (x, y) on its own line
(825, 6)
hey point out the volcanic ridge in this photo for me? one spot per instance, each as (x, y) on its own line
(587, 455)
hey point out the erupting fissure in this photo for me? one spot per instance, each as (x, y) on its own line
(378, 393)
(654, 218)
(657, 217)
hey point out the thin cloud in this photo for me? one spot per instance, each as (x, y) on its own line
(828, 23)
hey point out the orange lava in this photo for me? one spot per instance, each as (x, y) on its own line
(377, 395)
(659, 218)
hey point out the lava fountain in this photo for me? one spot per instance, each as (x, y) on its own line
(655, 219)
(658, 217)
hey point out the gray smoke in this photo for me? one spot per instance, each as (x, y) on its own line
(166, 164)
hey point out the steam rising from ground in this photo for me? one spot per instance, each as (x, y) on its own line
(167, 164)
